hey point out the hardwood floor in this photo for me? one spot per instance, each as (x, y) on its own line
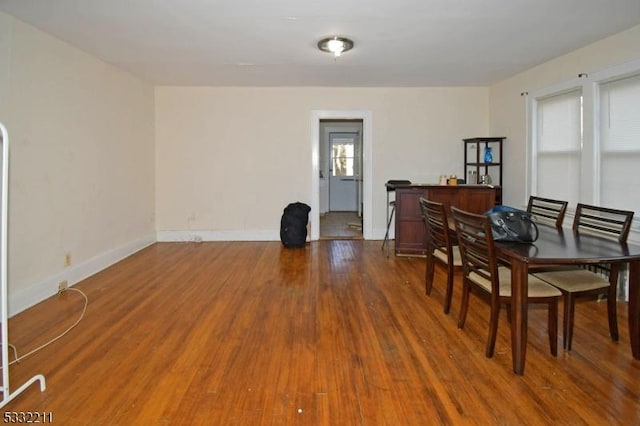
(332, 334)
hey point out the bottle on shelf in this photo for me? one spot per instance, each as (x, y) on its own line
(472, 178)
(488, 155)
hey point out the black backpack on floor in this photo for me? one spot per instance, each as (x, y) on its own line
(293, 225)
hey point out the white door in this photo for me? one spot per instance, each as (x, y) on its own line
(343, 172)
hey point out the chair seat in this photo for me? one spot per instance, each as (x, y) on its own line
(442, 255)
(574, 280)
(537, 287)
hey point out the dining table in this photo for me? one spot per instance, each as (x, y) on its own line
(562, 247)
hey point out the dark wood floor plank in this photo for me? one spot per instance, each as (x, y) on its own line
(251, 333)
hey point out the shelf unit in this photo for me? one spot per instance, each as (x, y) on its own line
(474, 151)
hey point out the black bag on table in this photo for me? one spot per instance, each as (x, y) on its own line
(511, 224)
(293, 225)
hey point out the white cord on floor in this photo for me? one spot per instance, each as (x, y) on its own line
(84, 309)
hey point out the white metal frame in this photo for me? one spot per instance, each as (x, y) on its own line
(7, 395)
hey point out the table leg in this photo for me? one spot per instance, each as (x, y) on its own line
(519, 291)
(634, 307)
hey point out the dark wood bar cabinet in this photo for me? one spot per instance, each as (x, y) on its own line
(409, 227)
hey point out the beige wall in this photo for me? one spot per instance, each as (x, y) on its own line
(82, 169)
(98, 155)
(229, 160)
(508, 114)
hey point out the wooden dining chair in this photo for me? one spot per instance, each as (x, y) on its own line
(582, 282)
(547, 210)
(440, 247)
(483, 274)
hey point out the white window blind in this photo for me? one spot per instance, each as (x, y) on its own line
(559, 146)
(587, 131)
(620, 143)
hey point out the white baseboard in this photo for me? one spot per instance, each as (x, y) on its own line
(36, 293)
(199, 236)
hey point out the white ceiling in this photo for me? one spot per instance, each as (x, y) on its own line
(273, 42)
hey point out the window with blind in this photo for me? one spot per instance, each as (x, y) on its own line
(558, 146)
(619, 103)
(585, 140)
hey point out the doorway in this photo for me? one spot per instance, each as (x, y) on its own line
(340, 179)
(318, 185)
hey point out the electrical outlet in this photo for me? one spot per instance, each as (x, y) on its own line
(67, 259)
(62, 286)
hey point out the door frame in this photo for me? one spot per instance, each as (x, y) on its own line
(367, 167)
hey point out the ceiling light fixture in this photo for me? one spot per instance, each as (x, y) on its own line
(336, 45)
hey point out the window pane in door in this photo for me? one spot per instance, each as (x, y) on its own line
(343, 159)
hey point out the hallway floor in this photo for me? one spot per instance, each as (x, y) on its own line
(340, 226)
